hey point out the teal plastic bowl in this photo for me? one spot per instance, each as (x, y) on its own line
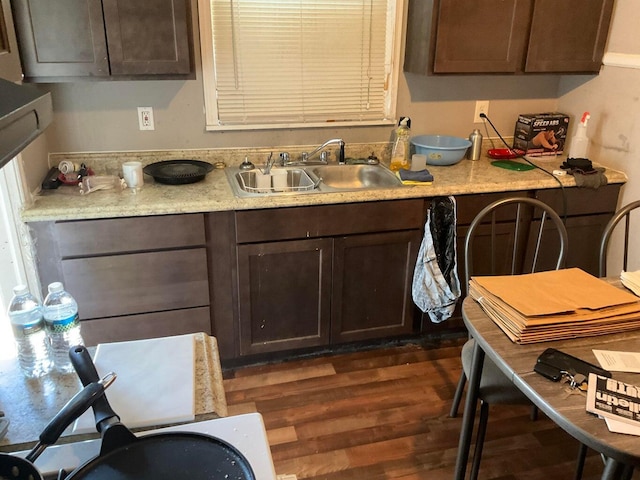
(441, 149)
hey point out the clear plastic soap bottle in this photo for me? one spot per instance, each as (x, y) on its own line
(400, 153)
(580, 142)
(63, 325)
(25, 314)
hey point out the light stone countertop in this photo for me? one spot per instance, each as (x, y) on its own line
(29, 404)
(214, 193)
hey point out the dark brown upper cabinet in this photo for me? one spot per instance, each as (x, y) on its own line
(506, 36)
(103, 38)
(10, 68)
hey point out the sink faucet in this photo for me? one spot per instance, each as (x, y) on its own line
(323, 156)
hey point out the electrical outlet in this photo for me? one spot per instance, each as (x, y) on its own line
(145, 118)
(482, 106)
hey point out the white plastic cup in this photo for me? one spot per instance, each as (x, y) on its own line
(279, 180)
(263, 182)
(418, 162)
(132, 174)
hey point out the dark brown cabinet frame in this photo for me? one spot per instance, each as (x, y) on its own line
(104, 39)
(506, 36)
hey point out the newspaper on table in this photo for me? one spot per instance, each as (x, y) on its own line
(631, 280)
(612, 399)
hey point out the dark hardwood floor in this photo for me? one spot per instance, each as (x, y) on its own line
(383, 414)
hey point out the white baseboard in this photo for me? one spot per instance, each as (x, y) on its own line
(622, 60)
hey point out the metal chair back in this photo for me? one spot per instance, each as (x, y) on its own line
(622, 213)
(531, 221)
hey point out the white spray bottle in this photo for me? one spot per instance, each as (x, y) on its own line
(580, 141)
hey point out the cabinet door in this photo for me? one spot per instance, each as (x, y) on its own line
(372, 276)
(9, 57)
(568, 36)
(284, 295)
(148, 36)
(481, 36)
(62, 38)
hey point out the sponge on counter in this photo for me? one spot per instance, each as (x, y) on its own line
(410, 177)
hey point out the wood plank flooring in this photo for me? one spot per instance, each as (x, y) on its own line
(383, 414)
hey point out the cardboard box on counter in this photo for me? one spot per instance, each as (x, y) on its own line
(539, 134)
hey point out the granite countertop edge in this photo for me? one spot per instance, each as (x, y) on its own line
(214, 194)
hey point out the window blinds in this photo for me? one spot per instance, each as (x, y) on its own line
(301, 61)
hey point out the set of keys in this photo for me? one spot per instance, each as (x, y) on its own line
(577, 383)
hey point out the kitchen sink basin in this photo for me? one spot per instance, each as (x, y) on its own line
(310, 179)
(354, 177)
(247, 183)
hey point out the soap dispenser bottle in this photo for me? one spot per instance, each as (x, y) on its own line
(400, 152)
(580, 141)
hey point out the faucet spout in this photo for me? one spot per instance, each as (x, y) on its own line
(307, 156)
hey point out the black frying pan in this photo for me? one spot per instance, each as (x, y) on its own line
(178, 172)
(17, 468)
(161, 456)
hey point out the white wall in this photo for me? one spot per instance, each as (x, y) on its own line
(613, 99)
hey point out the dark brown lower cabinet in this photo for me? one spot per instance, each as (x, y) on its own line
(325, 275)
(317, 292)
(138, 277)
(272, 281)
(372, 278)
(284, 295)
(585, 212)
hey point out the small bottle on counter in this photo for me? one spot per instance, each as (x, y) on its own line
(474, 151)
(580, 141)
(27, 323)
(63, 325)
(400, 152)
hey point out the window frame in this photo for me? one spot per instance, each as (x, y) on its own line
(209, 80)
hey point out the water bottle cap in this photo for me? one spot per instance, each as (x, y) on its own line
(20, 290)
(55, 287)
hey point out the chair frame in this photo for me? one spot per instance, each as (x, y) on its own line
(623, 212)
(468, 254)
(548, 214)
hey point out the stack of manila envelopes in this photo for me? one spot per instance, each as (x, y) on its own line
(555, 305)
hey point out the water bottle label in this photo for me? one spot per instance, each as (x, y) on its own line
(20, 331)
(64, 325)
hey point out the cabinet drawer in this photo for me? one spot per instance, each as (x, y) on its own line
(468, 206)
(150, 325)
(328, 220)
(138, 283)
(96, 237)
(582, 201)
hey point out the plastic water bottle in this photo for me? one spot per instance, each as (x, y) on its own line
(25, 314)
(63, 325)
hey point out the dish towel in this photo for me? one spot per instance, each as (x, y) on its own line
(410, 177)
(436, 287)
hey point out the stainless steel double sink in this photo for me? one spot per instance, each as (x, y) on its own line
(313, 179)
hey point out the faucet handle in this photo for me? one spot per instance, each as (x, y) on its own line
(284, 158)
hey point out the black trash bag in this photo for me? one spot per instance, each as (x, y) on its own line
(443, 229)
(435, 288)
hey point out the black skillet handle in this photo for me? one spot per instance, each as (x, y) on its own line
(86, 370)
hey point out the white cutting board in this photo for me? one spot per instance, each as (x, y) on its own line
(154, 384)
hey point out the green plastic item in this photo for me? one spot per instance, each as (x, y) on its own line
(511, 165)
